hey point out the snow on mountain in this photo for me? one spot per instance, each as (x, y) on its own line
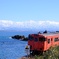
(29, 25)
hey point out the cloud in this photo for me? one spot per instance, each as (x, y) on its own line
(30, 24)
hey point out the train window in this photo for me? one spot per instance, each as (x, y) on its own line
(42, 39)
(35, 39)
(30, 37)
(56, 39)
(48, 41)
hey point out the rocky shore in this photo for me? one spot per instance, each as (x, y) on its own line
(19, 37)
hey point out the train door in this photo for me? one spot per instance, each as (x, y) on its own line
(51, 41)
(48, 43)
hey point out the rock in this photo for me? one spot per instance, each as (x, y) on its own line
(25, 39)
(19, 37)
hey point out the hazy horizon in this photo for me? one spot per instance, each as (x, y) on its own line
(29, 25)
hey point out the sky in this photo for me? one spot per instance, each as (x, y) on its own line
(29, 14)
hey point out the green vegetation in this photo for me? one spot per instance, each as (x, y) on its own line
(52, 53)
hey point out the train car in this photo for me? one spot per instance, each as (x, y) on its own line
(42, 42)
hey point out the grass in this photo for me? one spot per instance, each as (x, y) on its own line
(52, 53)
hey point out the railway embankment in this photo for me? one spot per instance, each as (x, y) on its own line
(52, 53)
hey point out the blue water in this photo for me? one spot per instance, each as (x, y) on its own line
(11, 48)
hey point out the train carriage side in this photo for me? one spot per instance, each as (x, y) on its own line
(56, 40)
(48, 43)
(51, 40)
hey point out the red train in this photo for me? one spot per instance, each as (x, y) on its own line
(42, 42)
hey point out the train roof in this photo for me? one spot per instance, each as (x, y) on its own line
(49, 34)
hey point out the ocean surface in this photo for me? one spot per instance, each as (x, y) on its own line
(12, 48)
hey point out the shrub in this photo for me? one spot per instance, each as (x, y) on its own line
(52, 53)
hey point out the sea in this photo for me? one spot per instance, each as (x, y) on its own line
(12, 48)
